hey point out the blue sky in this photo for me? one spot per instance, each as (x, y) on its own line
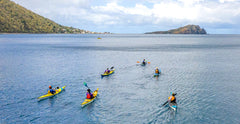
(140, 16)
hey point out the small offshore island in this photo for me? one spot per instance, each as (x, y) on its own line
(188, 29)
(17, 19)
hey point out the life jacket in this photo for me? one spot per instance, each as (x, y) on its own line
(89, 96)
(172, 98)
(107, 71)
(52, 91)
(156, 71)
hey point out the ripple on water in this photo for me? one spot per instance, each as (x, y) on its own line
(202, 70)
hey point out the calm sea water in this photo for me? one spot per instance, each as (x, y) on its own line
(202, 69)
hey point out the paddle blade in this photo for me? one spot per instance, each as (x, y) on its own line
(85, 84)
(138, 62)
(148, 62)
(112, 67)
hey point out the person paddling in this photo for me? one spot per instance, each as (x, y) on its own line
(51, 90)
(89, 94)
(107, 71)
(172, 99)
(144, 62)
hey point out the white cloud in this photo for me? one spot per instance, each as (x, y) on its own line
(205, 12)
(139, 10)
(109, 8)
(222, 1)
(190, 2)
(174, 11)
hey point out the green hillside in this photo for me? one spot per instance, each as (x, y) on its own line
(17, 19)
(188, 29)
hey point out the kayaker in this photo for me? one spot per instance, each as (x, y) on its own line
(57, 89)
(144, 62)
(157, 70)
(111, 69)
(51, 90)
(172, 98)
(107, 71)
(89, 94)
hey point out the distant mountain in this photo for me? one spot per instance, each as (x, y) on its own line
(17, 19)
(188, 29)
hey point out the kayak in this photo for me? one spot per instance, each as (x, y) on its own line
(111, 72)
(88, 101)
(50, 94)
(156, 74)
(143, 64)
(173, 106)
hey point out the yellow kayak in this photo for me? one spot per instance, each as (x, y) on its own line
(106, 74)
(87, 101)
(50, 94)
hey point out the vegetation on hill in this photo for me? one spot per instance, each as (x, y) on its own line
(17, 19)
(189, 29)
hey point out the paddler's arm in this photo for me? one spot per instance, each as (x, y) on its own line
(169, 100)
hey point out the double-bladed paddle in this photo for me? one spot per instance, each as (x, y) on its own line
(146, 61)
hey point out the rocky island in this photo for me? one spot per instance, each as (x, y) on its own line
(17, 19)
(188, 29)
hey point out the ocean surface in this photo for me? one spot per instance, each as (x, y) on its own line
(204, 71)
